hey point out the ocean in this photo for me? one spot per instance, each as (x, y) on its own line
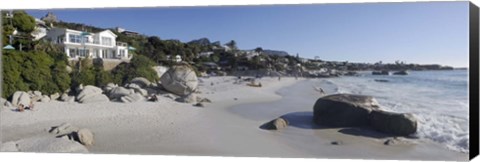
(439, 100)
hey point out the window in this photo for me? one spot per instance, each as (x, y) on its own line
(73, 38)
(96, 40)
(122, 53)
(83, 52)
(106, 41)
(72, 52)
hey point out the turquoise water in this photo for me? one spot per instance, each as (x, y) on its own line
(439, 99)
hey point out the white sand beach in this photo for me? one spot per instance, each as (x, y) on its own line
(229, 126)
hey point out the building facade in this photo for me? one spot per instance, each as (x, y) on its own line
(78, 44)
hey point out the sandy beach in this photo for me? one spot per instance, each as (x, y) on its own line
(229, 126)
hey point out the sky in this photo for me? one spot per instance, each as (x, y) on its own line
(426, 33)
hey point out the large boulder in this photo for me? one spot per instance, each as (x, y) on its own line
(88, 91)
(50, 144)
(20, 97)
(141, 81)
(89, 94)
(180, 80)
(109, 87)
(344, 110)
(118, 92)
(402, 124)
(97, 98)
(138, 89)
(8, 147)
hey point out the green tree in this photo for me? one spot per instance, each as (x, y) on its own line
(12, 80)
(23, 22)
(232, 45)
(259, 49)
(139, 66)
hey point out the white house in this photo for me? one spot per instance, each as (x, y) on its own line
(41, 29)
(205, 54)
(80, 44)
(251, 53)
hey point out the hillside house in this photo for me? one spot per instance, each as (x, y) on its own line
(78, 44)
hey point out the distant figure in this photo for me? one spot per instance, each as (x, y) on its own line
(279, 77)
(21, 108)
(153, 98)
(318, 89)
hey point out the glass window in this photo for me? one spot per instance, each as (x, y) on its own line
(72, 52)
(76, 38)
(106, 41)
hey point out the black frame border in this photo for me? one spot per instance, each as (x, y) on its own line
(473, 80)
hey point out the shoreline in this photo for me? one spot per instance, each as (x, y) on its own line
(171, 128)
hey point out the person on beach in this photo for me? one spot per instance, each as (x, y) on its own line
(279, 77)
(153, 98)
(21, 107)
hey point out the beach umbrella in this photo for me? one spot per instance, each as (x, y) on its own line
(9, 47)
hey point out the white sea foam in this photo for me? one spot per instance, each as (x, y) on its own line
(439, 99)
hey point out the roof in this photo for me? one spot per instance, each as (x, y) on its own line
(108, 31)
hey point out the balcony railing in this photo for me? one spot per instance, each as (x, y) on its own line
(122, 44)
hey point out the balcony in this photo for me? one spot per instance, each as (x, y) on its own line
(122, 44)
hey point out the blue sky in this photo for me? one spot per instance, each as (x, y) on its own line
(435, 32)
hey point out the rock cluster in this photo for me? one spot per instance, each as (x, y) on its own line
(70, 132)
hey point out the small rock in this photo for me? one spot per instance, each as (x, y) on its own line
(37, 93)
(199, 104)
(45, 98)
(235, 99)
(390, 142)
(276, 124)
(191, 98)
(205, 100)
(336, 142)
(85, 136)
(8, 104)
(54, 96)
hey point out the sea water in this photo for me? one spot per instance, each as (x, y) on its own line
(439, 100)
